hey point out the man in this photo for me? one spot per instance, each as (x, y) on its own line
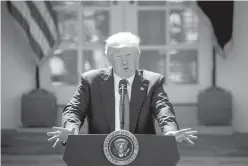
(98, 98)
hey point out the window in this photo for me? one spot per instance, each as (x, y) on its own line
(168, 31)
(183, 53)
(183, 66)
(169, 34)
(63, 68)
(83, 27)
(151, 27)
(93, 59)
(153, 60)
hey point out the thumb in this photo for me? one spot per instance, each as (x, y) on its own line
(73, 130)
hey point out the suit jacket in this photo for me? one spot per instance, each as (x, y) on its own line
(95, 100)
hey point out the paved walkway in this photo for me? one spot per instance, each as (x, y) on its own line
(56, 160)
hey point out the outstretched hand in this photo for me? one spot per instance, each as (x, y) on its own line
(59, 134)
(184, 135)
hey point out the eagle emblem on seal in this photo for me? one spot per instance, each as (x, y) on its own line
(121, 147)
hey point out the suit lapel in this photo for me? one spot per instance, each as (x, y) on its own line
(139, 89)
(108, 97)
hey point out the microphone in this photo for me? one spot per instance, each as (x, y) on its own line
(122, 91)
(122, 86)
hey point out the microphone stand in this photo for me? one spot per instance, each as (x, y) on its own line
(122, 106)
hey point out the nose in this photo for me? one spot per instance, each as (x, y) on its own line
(124, 59)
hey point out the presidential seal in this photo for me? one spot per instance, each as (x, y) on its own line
(121, 147)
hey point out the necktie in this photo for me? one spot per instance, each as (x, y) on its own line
(126, 111)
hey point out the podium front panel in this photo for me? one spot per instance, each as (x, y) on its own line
(87, 150)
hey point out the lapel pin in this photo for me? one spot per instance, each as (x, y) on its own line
(141, 88)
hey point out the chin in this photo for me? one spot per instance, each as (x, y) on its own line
(128, 75)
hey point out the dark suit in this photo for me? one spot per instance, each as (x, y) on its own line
(95, 100)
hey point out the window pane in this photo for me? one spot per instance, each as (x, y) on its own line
(96, 3)
(96, 26)
(151, 3)
(183, 66)
(151, 27)
(64, 68)
(68, 26)
(178, 2)
(153, 60)
(93, 59)
(64, 3)
(183, 26)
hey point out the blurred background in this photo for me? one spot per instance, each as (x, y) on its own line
(200, 47)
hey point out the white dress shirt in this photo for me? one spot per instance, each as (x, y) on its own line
(117, 97)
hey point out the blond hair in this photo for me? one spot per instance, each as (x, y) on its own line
(122, 39)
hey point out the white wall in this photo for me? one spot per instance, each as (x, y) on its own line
(232, 73)
(17, 70)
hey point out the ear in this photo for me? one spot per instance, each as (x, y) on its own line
(109, 59)
(138, 56)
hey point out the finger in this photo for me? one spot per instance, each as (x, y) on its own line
(59, 128)
(192, 137)
(189, 141)
(56, 142)
(170, 133)
(183, 130)
(53, 138)
(73, 130)
(179, 139)
(190, 133)
(53, 133)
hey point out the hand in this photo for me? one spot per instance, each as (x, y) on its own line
(183, 135)
(60, 134)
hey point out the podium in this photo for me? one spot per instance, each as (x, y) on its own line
(154, 150)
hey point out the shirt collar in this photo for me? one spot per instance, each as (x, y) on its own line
(130, 79)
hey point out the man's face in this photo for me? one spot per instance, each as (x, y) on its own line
(124, 60)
